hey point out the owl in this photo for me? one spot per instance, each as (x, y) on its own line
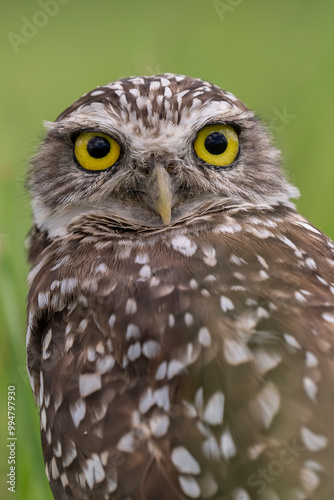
(180, 338)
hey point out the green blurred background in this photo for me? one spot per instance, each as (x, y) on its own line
(277, 56)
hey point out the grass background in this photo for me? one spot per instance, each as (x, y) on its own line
(275, 56)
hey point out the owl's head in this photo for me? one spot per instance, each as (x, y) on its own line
(149, 152)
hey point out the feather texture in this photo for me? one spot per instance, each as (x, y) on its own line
(193, 360)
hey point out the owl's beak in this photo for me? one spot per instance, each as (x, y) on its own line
(163, 201)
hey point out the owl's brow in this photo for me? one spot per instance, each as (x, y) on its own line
(71, 127)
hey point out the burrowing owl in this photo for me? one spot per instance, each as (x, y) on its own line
(181, 311)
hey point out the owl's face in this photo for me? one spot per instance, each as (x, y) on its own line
(149, 152)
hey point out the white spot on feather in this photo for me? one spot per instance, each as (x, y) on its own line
(145, 272)
(175, 367)
(263, 275)
(101, 268)
(210, 277)
(142, 259)
(171, 321)
(161, 397)
(91, 354)
(161, 371)
(226, 304)
(55, 284)
(127, 443)
(89, 383)
(112, 320)
(262, 312)
(211, 449)
(146, 401)
(43, 299)
(329, 317)
(309, 479)
(54, 469)
(57, 449)
(131, 306)
(291, 341)
(288, 242)
(307, 226)
(204, 337)
(189, 486)
(154, 281)
(266, 404)
(208, 485)
(262, 261)
(300, 297)
(35, 270)
(227, 445)
(193, 284)
(184, 461)
(43, 419)
(134, 351)
(68, 285)
(168, 92)
(93, 470)
(214, 409)
(209, 255)
(71, 453)
(159, 425)
(96, 92)
(46, 343)
(105, 364)
(310, 263)
(236, 353)
(135, 92)
(151, 349)
(190, 409)
(260, 232)
(78, 411)
(184, 245)
(69, 342)
(104, 457)
(132, 332)
(310, 388)
(237, 260)
(240, 494)
(64, 480)
(188, 319)
(311, 360)
(82, 325)
(199, 399)
(228, 228)
(266, 360)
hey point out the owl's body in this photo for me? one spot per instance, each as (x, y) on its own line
(181, 313)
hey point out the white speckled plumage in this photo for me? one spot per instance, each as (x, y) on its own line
(186, 359)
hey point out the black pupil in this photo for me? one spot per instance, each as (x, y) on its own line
(98, 147)
(216, 143)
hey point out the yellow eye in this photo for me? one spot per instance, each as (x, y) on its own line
(217, 145)
(96, 151)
